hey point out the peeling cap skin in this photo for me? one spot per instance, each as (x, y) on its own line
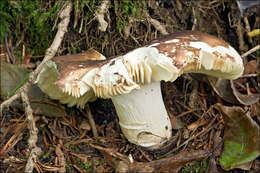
(61, 77)
(132, 80)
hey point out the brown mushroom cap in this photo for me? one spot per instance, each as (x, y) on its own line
(81, 79)
(64, 71)
(193, 51)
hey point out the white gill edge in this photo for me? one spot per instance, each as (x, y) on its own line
(136, 68)
(143, 66)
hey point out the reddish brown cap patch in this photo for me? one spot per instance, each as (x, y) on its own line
(73, 67)
(192, 36)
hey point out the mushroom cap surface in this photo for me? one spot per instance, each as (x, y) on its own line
(83, 79)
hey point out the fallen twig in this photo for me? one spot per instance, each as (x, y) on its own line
(110, 151)
(35, 151)
(195, 22)
(251, 51)
(91, 121)
(250, 75)
(158, 26)
(237, 25)
(171, 164)
(61, 159)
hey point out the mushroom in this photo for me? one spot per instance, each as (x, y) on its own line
(132, 80)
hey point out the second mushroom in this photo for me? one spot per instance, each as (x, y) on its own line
(132, 80)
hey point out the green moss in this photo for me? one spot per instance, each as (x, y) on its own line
(46, 154)
(85, 9)
(258, 53)
(196, 167)
(87, 165)
(125, 9)
(31, 20)
(6, 18)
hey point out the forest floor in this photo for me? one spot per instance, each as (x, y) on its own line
(202, 115)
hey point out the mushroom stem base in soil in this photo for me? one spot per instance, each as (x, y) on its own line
(143, 117)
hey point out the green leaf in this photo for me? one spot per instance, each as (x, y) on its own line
(241, 139)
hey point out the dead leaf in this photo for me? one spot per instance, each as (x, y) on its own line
(85, 125)
(12, 76)
(176, 122)
(223, 88)
(256, 166)
(57, 130)
(212, 167)
(228, 92)
(251, 67)
(198, 123)
(245, 99)
(241, 139)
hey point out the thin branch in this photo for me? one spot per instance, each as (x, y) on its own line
(170, 164)
(61, 158)
(35, 151)
(128, 27)
(10, 55)
(194, 19)
(158, 26)
(251, 51)
(9, 101)
(91, 120)
(250, 75)
(100, 14)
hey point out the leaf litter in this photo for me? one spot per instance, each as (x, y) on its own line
(200, 132)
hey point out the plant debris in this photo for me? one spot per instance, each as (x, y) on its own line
(241, 139)
(71, 140)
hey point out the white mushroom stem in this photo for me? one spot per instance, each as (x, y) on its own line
(142, 116)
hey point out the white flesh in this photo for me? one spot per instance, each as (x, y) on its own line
(142, 116)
